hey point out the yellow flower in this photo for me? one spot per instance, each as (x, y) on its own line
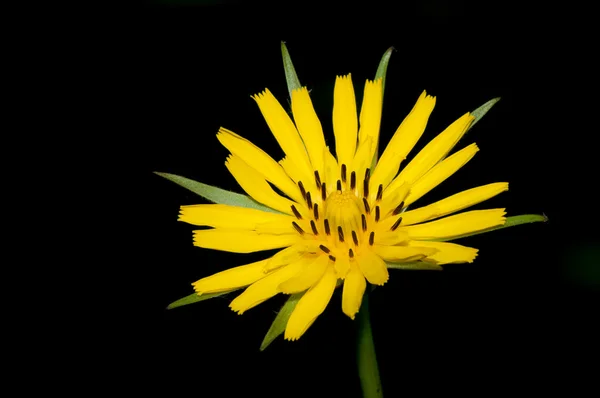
(340, 219)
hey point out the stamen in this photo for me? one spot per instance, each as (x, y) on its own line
(343, 173)
(366, 182)
(317, 179)
(398, 209)
(314, 227)
(340, 234)
(323, 192)
(379, 192)
(350, 253)
(396, 224)
(324, 248)
(364, 222)
(327, 231)
(353, 180)
(355, 238)
(296, 213)
(316, 211)
(302, 190)
(297, 228)
(377, 213)
(367, 207)
(332, 258)
(371, 238)
(339, 186)
(309, 200)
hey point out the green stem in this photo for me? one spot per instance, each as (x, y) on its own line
(368, 371)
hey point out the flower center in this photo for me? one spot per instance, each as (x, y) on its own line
(344, 210)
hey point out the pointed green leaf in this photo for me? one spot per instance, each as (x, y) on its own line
(415, 266)
(195, 298)
(278, 325)
(482, 110)
(382, 68)
(290, 73)
(216, 195)
(510, 222)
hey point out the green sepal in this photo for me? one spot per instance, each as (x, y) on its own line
(195, 298)
(290, 73)
(216, 195)
(482, 110)
(281, 320)
(510, 222)
(415, 266)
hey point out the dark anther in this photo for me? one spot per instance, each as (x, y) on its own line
(344, 173)
(339, 186)
(355, 238)
(324, 248)
(396, 224)
(377, 214)
(367, 175)
(331, 258)
(366, 189)
(371, 238)
(314, 227)
(296, 213)
(316, 211)
(327, 231)
(309, 200)
(323, 191)
(340, 234)
(398, 209)
(367, 207)
(302, 190)
(353, 180)
(364, 222)
(380, 192)
(297, 228)
(317, 179)
(350, 253)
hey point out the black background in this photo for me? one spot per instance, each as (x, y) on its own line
(520, 318)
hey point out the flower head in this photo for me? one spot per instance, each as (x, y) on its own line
(343, 218)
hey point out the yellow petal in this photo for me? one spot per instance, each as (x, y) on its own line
(226, 216)
(332, 173)
(372, 267)
(290, 169)
(309, 126)
(354, 289)
(453, 203)
(440, 172)
(241, 241)
(345, 123)
(311, 273)
(403, 141)
(448, 253)
(311, 305)
(232, 278)
(390, 238)
(362, 161)
(284, 131)
(264, 289)
(457, 225)
(293, 254)
(342, 266)
(370, 111)
(259, 161)
(398, 254)
(256, 186)
(276, 227)
(392, 199)
(436, 150)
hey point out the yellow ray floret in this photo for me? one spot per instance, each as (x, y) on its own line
(309, 126)
(256, 186)
(457, 225)
(447, 253)
(240, 241)
(311, 273)
(311, 305)
(370, 113)
(284, 131)
(372, 267)
(440, 172)
(264, 289)
(226, 216)
(259, 161)
(345, 122)
(400, 254)
(354, 289)
(231, 279)
(402, 142)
